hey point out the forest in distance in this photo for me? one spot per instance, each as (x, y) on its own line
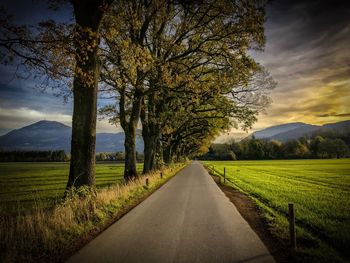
(59, 156)
(252, 149)
(317, 147)
(322, 144)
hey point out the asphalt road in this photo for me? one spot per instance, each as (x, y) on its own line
(189, 219)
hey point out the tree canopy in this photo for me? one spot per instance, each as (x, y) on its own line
(184, 70)
(179, 70)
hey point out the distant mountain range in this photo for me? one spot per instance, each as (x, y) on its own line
(290, 131)
(53, 135)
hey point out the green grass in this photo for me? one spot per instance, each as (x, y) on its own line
(21, 184)
(319, 189)
(50, 235)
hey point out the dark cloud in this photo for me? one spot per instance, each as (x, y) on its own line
(21, 94)
(334, 115)
(307, 52)
(33, 11)
(343, 73)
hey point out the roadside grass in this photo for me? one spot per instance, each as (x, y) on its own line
(50, 235)
(319, 189)
(22, 184)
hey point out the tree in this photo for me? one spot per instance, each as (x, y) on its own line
(295, 149)
(256, 149)
(88, 17)
(333, 148)
(101, 156)
(120, 156)
(341, 149)
(204, 57)
(274, 149)
(41, 51)
(315, 145)
(181, 48)
(125, 63)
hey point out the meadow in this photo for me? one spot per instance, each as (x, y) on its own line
(39, 229)
(319, 189)
(21, 184)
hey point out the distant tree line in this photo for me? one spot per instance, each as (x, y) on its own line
(118, 156)
(262, 149)
(58, 156)
(33, 156)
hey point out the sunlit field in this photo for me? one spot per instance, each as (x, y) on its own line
(319, 189)
(21, 184)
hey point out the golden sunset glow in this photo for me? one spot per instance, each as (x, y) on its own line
(309, 58)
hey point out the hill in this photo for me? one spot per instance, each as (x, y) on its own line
(290, 131)
(295, 133)
(278, 129)
(53, 135)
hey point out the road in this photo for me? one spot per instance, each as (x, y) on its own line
(189, 219)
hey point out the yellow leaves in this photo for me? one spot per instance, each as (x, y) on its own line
(130, 58)
(111, 33)
(88, 77)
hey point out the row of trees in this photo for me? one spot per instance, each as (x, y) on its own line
(118, 156)
(58, 156)
(259, 149)
(33, 156)
(179, 69)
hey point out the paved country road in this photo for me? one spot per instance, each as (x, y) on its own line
(189, 219)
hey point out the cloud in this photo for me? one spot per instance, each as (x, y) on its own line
(20, 117)
(307, 52)
(33, 12)
(105, 126)
(333, 114)
(17, 118)
(23, 93)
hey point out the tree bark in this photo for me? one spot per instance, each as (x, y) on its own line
(148, 139)
(88, 16)
(130, 170)
(167, 154)
(149, 154)
(130, 128)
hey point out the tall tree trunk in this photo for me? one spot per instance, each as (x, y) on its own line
(88, 16)
(149, 154)
(130, 128)
(130, 170)
(158, 153)
(167, 154)
(148, 136)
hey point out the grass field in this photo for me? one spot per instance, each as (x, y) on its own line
(50, 235)
(319, 189)
(21, 184)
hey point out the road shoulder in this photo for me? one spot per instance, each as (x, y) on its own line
(278, 248)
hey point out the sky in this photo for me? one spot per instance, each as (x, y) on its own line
(307, 52)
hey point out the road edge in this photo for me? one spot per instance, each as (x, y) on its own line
(80, 242)
(252, 214)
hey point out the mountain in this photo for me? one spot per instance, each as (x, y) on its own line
(343, 125)
(295, 133)
(53, 135)
(278, 129)
(42, 135)
(290, 131)
(114, 142)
